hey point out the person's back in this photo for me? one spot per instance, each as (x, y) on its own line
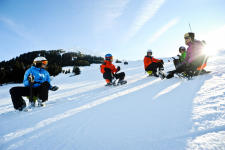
(194, 51)
(195, 58)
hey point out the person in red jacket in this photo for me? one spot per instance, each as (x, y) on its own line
(109, 71)
(152, 65)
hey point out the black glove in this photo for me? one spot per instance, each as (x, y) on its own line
(54, 88)
(162, 61)
(118, 68)
(45, 84)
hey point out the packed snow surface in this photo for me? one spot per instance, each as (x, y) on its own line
(145, 114)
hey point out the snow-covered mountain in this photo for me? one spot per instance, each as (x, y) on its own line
(146, 114)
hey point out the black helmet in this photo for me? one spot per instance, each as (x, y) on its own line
(182, 48)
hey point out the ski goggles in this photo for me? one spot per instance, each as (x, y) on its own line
(109, 58)
(45, 62)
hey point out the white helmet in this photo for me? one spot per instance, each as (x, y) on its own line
(40, 60)
(149, 51)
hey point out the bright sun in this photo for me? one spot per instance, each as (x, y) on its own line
(215, 41)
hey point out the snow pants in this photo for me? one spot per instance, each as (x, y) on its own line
(109, 76)
(17, 92)
(154, 66)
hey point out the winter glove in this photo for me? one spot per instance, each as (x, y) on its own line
(54, 88)
(162, 61)
(31, 78)
(118, 68)
(45, 84)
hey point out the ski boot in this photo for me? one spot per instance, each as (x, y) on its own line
(40, 103)
(121, 82)
(22, 108)
(109, 84)
(170, 74)
(161, 74)
(149, 73)
(31, 105)
(155, 74)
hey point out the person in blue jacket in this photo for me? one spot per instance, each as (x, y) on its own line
(36, 83)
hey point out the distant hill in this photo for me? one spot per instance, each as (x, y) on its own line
(14, 69)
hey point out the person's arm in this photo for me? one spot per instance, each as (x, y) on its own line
(48, 78)
(183, 56)
(146, 62)
(25, 79)
(102, 68)
(156, 60)
(52, 88)
(113, 68)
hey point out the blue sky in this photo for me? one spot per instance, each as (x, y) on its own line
(125, 28)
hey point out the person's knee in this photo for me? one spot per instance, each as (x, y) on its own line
(12, 90)
(123, 74)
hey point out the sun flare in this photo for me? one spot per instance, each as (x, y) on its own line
(215, 41)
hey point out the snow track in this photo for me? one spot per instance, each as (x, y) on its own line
(146, 113)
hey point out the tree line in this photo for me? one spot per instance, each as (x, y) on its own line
(12, 71)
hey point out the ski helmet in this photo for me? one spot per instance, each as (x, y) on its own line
(182, 48)
(108, 57)
(149, 51)
(38, 61)
(189, 35)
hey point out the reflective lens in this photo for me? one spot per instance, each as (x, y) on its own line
(45, 62)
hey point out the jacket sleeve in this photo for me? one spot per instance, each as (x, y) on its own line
(146, 62)
(155, 60)
(102, 68)
(113, 68)
(183, 56)
(25, 79)
(48, 79)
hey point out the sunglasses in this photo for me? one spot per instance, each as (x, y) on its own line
(186, 38)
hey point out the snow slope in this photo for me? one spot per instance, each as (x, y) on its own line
(145, 114)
